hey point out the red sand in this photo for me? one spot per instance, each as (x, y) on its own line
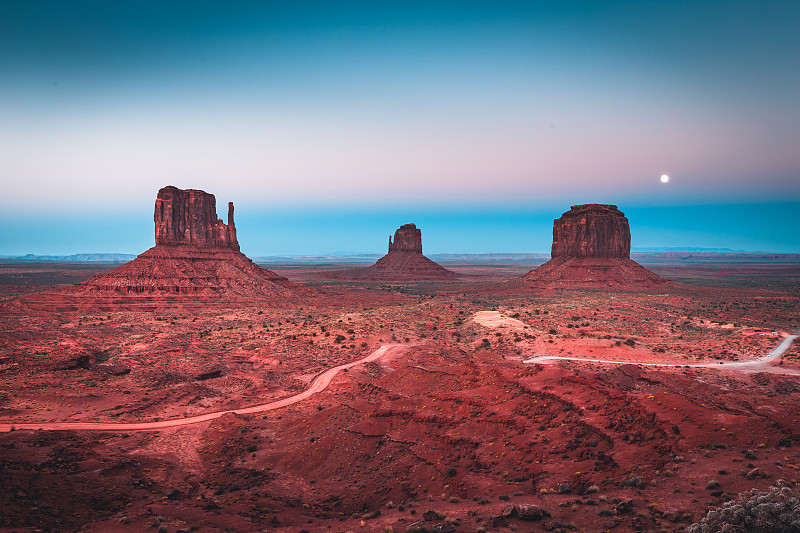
(454, 422)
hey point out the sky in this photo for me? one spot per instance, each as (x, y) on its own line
(330, 124)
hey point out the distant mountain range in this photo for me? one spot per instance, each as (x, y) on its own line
(643, 255)
(90, 258)
(439, 258)
(683, 249)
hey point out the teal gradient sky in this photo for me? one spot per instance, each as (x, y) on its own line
(330, 124)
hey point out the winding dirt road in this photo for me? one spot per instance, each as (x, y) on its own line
(319, 384)
(494, 319)
(762, 364)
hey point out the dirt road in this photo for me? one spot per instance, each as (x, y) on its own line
(494, 319)
(319, 384)
(762, 364)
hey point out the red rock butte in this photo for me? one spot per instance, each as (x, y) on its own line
(403, 262)
(196, 260)
(189, 217)
(592, 249)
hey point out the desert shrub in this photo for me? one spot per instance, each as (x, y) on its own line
(774, 511)
(633, 481)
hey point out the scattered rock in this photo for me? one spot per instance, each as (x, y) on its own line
(499, 521)
(532, 512)
(115, 370)
(417, 527)
(209, 375)
(509, 511)
(624, 506)
(75, 362)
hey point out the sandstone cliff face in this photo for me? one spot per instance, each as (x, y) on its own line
(189, 217)
(404, 262)
(407, 238)
(592, 230)
(591, 249)
(196, 261)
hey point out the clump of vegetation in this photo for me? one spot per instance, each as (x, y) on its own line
(774, 511)
(633, 481)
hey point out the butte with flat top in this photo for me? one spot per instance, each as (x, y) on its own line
(592, 249)
(196, 260)
(403, 262)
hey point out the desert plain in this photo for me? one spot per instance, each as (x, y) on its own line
(454, 425)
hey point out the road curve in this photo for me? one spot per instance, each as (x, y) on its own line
(318, 384)
(741, 365)
(759, 365)
(493, 319)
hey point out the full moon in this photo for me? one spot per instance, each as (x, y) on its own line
(664, 178)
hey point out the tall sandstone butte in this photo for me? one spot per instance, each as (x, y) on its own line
(403, 262)
(407, 238)
(592, 248)
(592, 230)
(196, 261)
(189, 217)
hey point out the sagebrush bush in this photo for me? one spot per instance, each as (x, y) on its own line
(774, 511)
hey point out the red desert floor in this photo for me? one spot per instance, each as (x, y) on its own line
(447, 428)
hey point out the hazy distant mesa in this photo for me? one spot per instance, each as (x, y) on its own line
(403, 262)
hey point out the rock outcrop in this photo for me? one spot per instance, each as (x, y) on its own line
(407, 238)
(403, 262)
(189, 217)
(196, 261)
(592, 230)
(591, 249)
